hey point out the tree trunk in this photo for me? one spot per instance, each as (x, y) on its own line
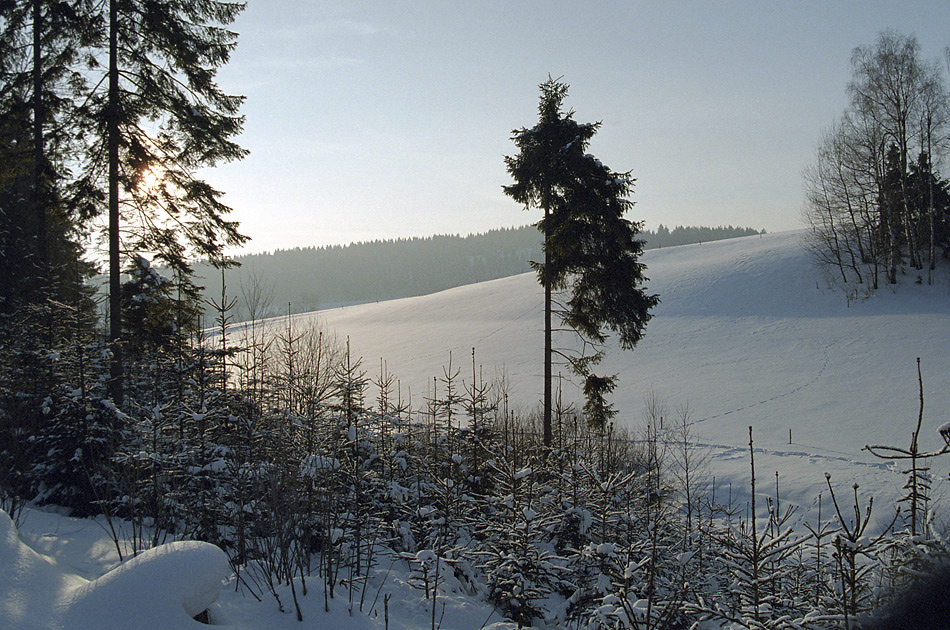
(115, 312)
(931, 250)
(893, 248)
(548, 436)
(906, 220)
(39, 183)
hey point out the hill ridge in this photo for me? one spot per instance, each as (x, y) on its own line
(315, 278)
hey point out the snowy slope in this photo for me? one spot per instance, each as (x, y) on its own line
(747, 333)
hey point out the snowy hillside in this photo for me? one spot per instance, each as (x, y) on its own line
(747, 333)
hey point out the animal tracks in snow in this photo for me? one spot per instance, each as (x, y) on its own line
(818, 375)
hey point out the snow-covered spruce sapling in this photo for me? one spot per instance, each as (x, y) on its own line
(922, 556)
(606, 568)
(386, 417)
(515, 550)
(663, 583)
(423, 571)
(59, 427)
(647, 578)
(450, 402)
(393, 435)
(853, 554)
(755, 558)
(357, 456)
(224, 317)
(479, 409)
(918, 482)
(817, 580)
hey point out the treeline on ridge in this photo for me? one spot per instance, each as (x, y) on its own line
(306, 279)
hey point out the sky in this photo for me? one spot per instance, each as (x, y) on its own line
(379, 120)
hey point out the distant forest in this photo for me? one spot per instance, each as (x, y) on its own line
(313, 278)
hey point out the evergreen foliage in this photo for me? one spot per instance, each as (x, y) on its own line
(590, 249)
(269, 444)
(172, 120)
(42, 223)
(111, 108)
(289, 467)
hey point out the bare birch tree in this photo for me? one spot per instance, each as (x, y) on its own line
(869, 203)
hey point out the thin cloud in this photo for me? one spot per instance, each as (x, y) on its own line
(307, 63)
(336, 26)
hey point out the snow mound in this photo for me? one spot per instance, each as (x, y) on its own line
(32, 588)
(161, 589)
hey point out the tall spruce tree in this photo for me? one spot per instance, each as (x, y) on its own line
(159, 117)
(46, 312)
(39, 83)
(591, 252)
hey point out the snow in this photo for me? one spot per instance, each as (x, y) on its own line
(748, 333)
(62, 573)
(160, 589)
(33, 589)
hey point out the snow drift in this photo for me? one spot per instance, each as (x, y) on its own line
(161, 588)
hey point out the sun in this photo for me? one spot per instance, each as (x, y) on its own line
(150, 180)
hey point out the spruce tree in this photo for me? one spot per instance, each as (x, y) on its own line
(45, 309)
(591, 250)
(158, 117)
(40, 226)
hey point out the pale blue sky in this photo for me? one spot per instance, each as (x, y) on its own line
(371, 120)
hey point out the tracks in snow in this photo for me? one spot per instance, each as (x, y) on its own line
(815, 379)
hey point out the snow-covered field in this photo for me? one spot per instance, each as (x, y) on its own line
(747, 334)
